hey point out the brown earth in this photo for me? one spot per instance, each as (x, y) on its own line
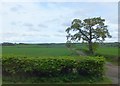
(112, 72)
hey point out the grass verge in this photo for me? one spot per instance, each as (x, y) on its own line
(57, 80)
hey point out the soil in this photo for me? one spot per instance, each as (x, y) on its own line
(0, 69)
(112, 72)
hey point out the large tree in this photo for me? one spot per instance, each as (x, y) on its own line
(91, 30)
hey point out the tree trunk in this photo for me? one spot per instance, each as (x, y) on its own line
(90, 42)
(90, 47)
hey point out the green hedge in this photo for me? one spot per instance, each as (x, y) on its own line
(52, 66)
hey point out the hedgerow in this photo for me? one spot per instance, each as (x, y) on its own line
(52, 66)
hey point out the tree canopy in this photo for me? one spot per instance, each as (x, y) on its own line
(91, 30)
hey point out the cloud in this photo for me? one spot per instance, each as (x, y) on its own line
(58, 1)
(53, 20)
(61, 31)
(35, 35)
(59, 35)
(42, 25)
(47, 22)
(16, 8)
(66, 24)
(28, 25)
(9, 34)
(13, 23)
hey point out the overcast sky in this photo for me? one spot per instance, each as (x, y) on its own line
(46, 22)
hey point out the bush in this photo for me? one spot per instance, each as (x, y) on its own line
(92, 66)
(52, 66)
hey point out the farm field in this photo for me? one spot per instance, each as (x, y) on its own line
(34, 51)
(111, 51)
(52, 50)
(59, 43)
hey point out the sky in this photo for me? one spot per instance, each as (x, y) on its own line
(46, 22)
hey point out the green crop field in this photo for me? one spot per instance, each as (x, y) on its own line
(36, 51)
(51, 50)
(110, 51)
(57, 50)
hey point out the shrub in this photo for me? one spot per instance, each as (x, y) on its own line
(93, 66)
(52, 66)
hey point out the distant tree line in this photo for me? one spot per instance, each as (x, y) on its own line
(114, 44)
(8, 44)
(11, 44)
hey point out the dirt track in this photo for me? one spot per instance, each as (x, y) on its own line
(0, 69)
(112, 72)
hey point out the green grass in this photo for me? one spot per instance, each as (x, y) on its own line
(59, 80)
(107, 51)
(57, 50)
(35, 51)
(110, 51)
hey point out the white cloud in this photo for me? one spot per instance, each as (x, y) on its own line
(46, 22)
(60, 1)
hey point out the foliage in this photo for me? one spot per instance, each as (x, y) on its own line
(7, 44)
(69, 44)
(91, 66)
(52, 66)
(72, 79)
(89, 30)
(95, 46)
